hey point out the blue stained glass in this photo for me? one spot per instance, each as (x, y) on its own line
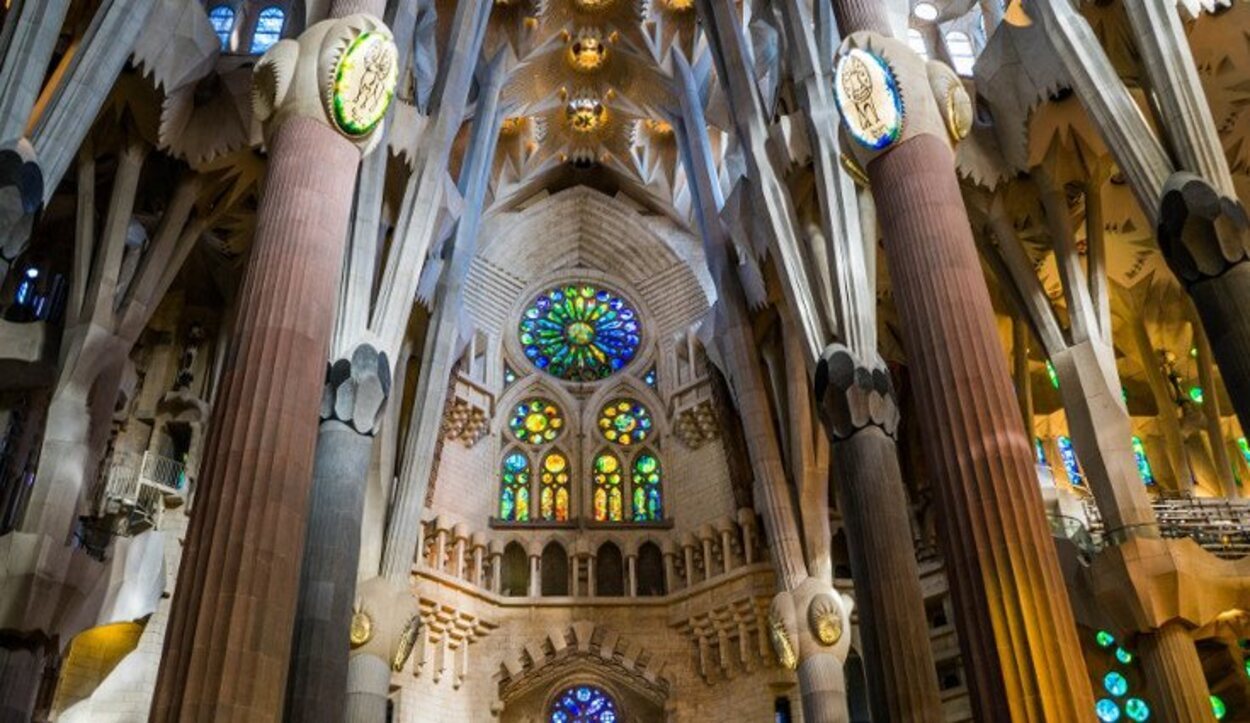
(1108, 710)
(1041, 452)
(583, 704)
(222, 18)
(1143, 464)
(268, 29)
(1070, 465)
(651, 378)
(1115, 684)
(580, 333)
(1123, 656)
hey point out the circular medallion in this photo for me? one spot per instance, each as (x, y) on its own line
(580, 333)
(364, 83)
(868, 99)
(624, 422)
(536, 421)
(361, 628)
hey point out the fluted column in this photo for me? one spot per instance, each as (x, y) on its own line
(858, 407)
(1017, 632)
(1174, 672)
(1015, 622)
(229, 637)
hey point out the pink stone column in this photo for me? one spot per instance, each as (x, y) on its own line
(229, 637)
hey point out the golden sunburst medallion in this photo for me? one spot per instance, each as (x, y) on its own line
(362, 628)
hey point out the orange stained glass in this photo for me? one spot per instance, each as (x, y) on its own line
(554, 498)
(608, 498)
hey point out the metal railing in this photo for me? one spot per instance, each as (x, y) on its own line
(1220, 526)
(137, 487)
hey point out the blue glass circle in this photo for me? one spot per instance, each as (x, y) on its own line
(1108, 710)
(1115, 684)
(1123, 656)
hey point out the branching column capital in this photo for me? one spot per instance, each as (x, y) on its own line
(854, 395)
(356, 389)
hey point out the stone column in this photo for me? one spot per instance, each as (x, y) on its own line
(631, 564)
(368, 679)
(496, 572)
(1211, 412)
(861, 417)
(1017, 632)
(1174, 671)
(355, 394)
(21, 672)
(688, 552)
(670, 573)
(1205, 238)
(241, 566)
(536, 580)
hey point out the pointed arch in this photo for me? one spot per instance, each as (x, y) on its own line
(608, 489)
(554, 495)
(555, 570)
(609, 571)
(515, 475)
(651, 570)
(515, 575)
(646, 485)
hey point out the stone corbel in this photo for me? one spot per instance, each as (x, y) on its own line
(341, 72)
(854, 395)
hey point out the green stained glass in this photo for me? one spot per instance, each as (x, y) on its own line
(647, 502)
(1054, 375)
(536, 421)
(514, 492)
(624, 422)
(1137, 710)
(1123, 656)
(1104, 639)
(1195, 393)
(580, 333)
(1218, 709)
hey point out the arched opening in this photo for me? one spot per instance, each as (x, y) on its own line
(583, 704)
(555, 570)
(268, 30)
(515, 576)
(609, 571)
(650, 570)
(222, 17)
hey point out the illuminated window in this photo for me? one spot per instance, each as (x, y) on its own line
(624, 422)
(648, 506)
(959, 45)
(1108, 710)
(1040, 449)
(608, 497)
(554, 494)
(1143, 464)
(222, 18)
(579, 333)
(1070, 465)
(514, 488)
(536, 421)
(269, 25)
(584, 704)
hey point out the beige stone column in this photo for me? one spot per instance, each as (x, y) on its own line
(1174, 672)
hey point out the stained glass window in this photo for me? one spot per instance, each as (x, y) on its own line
(1137, 710)
(1195, 393)
(584, 704)
(651, 378)
(1108, 710)
(1115, 684)
(608, 496)
(624, 422)
(509, 376)
(268, 29)
(222, 18)
(554, 494)
(1054, 375)
(536, 421)
(514, 492)
(1143, 464)
(646, 479)
(1070, 465)
(580, 333)
(1040, 449)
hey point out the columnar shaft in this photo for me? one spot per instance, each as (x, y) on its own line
(318, 680)
(229, 636)
(1172, 666)
(1016, 627)
(902, 681)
